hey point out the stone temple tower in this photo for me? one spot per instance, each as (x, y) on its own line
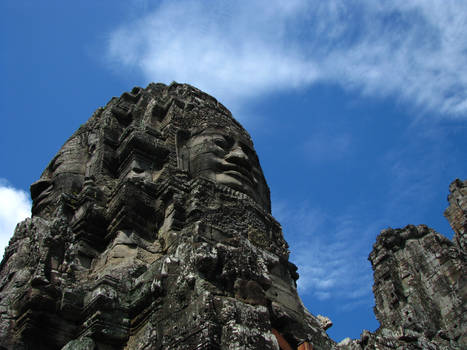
(152, 229)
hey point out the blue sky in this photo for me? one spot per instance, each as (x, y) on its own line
(358, 110)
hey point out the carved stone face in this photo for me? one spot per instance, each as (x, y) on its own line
(226, 159)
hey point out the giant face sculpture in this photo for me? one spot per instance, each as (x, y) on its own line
(112, 210)
(225, 158)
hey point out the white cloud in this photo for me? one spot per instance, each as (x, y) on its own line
(217, 47)
(15, 206)
(414, 51)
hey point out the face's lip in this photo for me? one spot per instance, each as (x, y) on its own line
(42, 200)
(238, 172)
(44, 194)
(238, 176)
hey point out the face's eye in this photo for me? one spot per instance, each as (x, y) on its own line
(221, 142)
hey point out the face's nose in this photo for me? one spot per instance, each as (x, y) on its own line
(239, 157)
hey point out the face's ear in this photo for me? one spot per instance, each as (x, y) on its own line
(183, 152)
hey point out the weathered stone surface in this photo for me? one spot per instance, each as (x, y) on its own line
(84, 343)
(456, 213)
(151, 229)
(324, 321)
(420, 289)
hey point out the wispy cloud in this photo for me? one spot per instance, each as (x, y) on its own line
(15, 206)
(331, 253)
(422, 159)
(414, 51)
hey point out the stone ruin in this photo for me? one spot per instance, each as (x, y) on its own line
(152, 229)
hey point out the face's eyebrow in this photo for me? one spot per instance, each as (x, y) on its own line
(244, 142)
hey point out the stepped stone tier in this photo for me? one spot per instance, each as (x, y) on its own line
(152, 229)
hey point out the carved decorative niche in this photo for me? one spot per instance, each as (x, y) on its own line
(183, 152)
